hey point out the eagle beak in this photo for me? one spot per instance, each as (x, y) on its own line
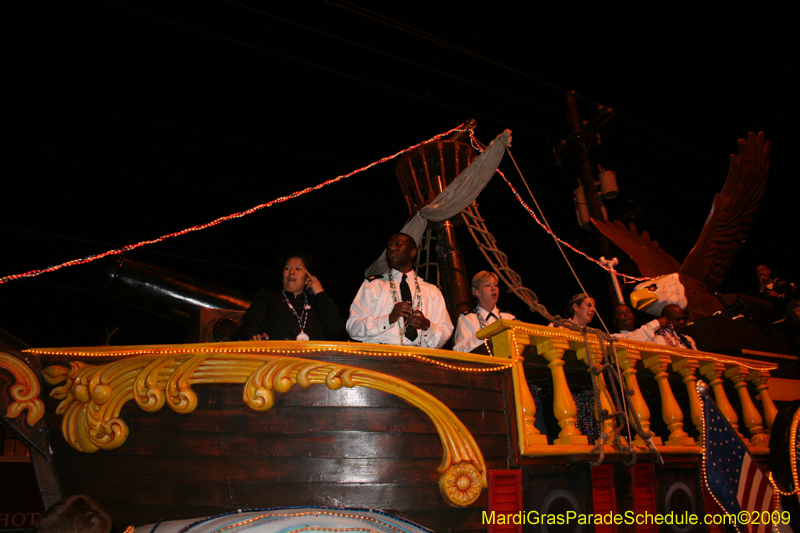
(643, 298)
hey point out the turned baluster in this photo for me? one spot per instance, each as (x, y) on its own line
(712, 371)
(563, 404)
(750, 415)
(627, 361)
(593, 360)
(759, 379)
(687, 368)
(670, 410)
(505, 345)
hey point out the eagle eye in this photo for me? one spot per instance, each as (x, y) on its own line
(652, 287)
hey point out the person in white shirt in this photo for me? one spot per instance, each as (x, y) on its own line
(670, 335)
(485, 290)
(400, 307)
(625, 322)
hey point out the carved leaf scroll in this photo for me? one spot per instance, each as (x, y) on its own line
(93, 396)
(25, 392)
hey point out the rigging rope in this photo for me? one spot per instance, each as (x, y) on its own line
(499, 262)
(424, 263)
(479, 146)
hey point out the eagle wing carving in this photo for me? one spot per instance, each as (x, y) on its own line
(651, 259)
(732, 213)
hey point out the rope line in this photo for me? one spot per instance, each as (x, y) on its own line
(544, 225)
(609, 363)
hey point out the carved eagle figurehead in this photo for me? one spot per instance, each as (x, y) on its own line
(692, 284)
(651, 296)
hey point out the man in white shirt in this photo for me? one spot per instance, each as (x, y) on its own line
(485, 289)
(670, 335)
(625, 322)
(400, 307)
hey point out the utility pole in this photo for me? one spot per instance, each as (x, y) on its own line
(581, 138)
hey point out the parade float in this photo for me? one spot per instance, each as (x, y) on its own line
(443, 439)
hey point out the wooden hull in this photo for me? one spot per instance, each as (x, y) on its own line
(351, 447)
(170, 432)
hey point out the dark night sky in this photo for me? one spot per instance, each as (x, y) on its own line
(129, 120)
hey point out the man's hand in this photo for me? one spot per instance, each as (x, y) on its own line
(400, 309)
(260, 337)
(418, 320)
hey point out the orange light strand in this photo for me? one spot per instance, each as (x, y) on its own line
(117, 251)
(478, 146)
(281, 351)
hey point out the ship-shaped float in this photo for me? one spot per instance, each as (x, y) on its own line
(448, 440)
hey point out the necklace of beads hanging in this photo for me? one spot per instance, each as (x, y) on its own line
(301, 319)
(673, 337)
(417, 293)
(482, 322)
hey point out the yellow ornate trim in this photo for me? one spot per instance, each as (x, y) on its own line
(505, 346)
(510, 338)
(25, 393)
(93, 396)
(426, 355)
(536, 334)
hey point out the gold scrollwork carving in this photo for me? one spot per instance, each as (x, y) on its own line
(93, 396)
(148, 389)
(90, 402)
(25, 392)
(180, 395)
(460, 448)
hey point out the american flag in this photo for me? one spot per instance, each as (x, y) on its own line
(733, 474)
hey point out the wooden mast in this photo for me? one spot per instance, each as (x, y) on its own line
(423, 174)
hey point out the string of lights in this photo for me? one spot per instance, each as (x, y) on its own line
(316, 511)
(273, 516)
(220, 220)
(479, 146)
(279, 348)
(793, 449)
(592, 259)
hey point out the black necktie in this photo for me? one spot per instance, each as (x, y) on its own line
(405, 294)
(490, 346)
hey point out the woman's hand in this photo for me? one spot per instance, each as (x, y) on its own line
(313, 284)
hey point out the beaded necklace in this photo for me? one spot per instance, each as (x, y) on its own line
(482, 322)
(301, 319)
(673, 337)
(418, 294)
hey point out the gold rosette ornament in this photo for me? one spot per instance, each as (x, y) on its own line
(461, 484)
